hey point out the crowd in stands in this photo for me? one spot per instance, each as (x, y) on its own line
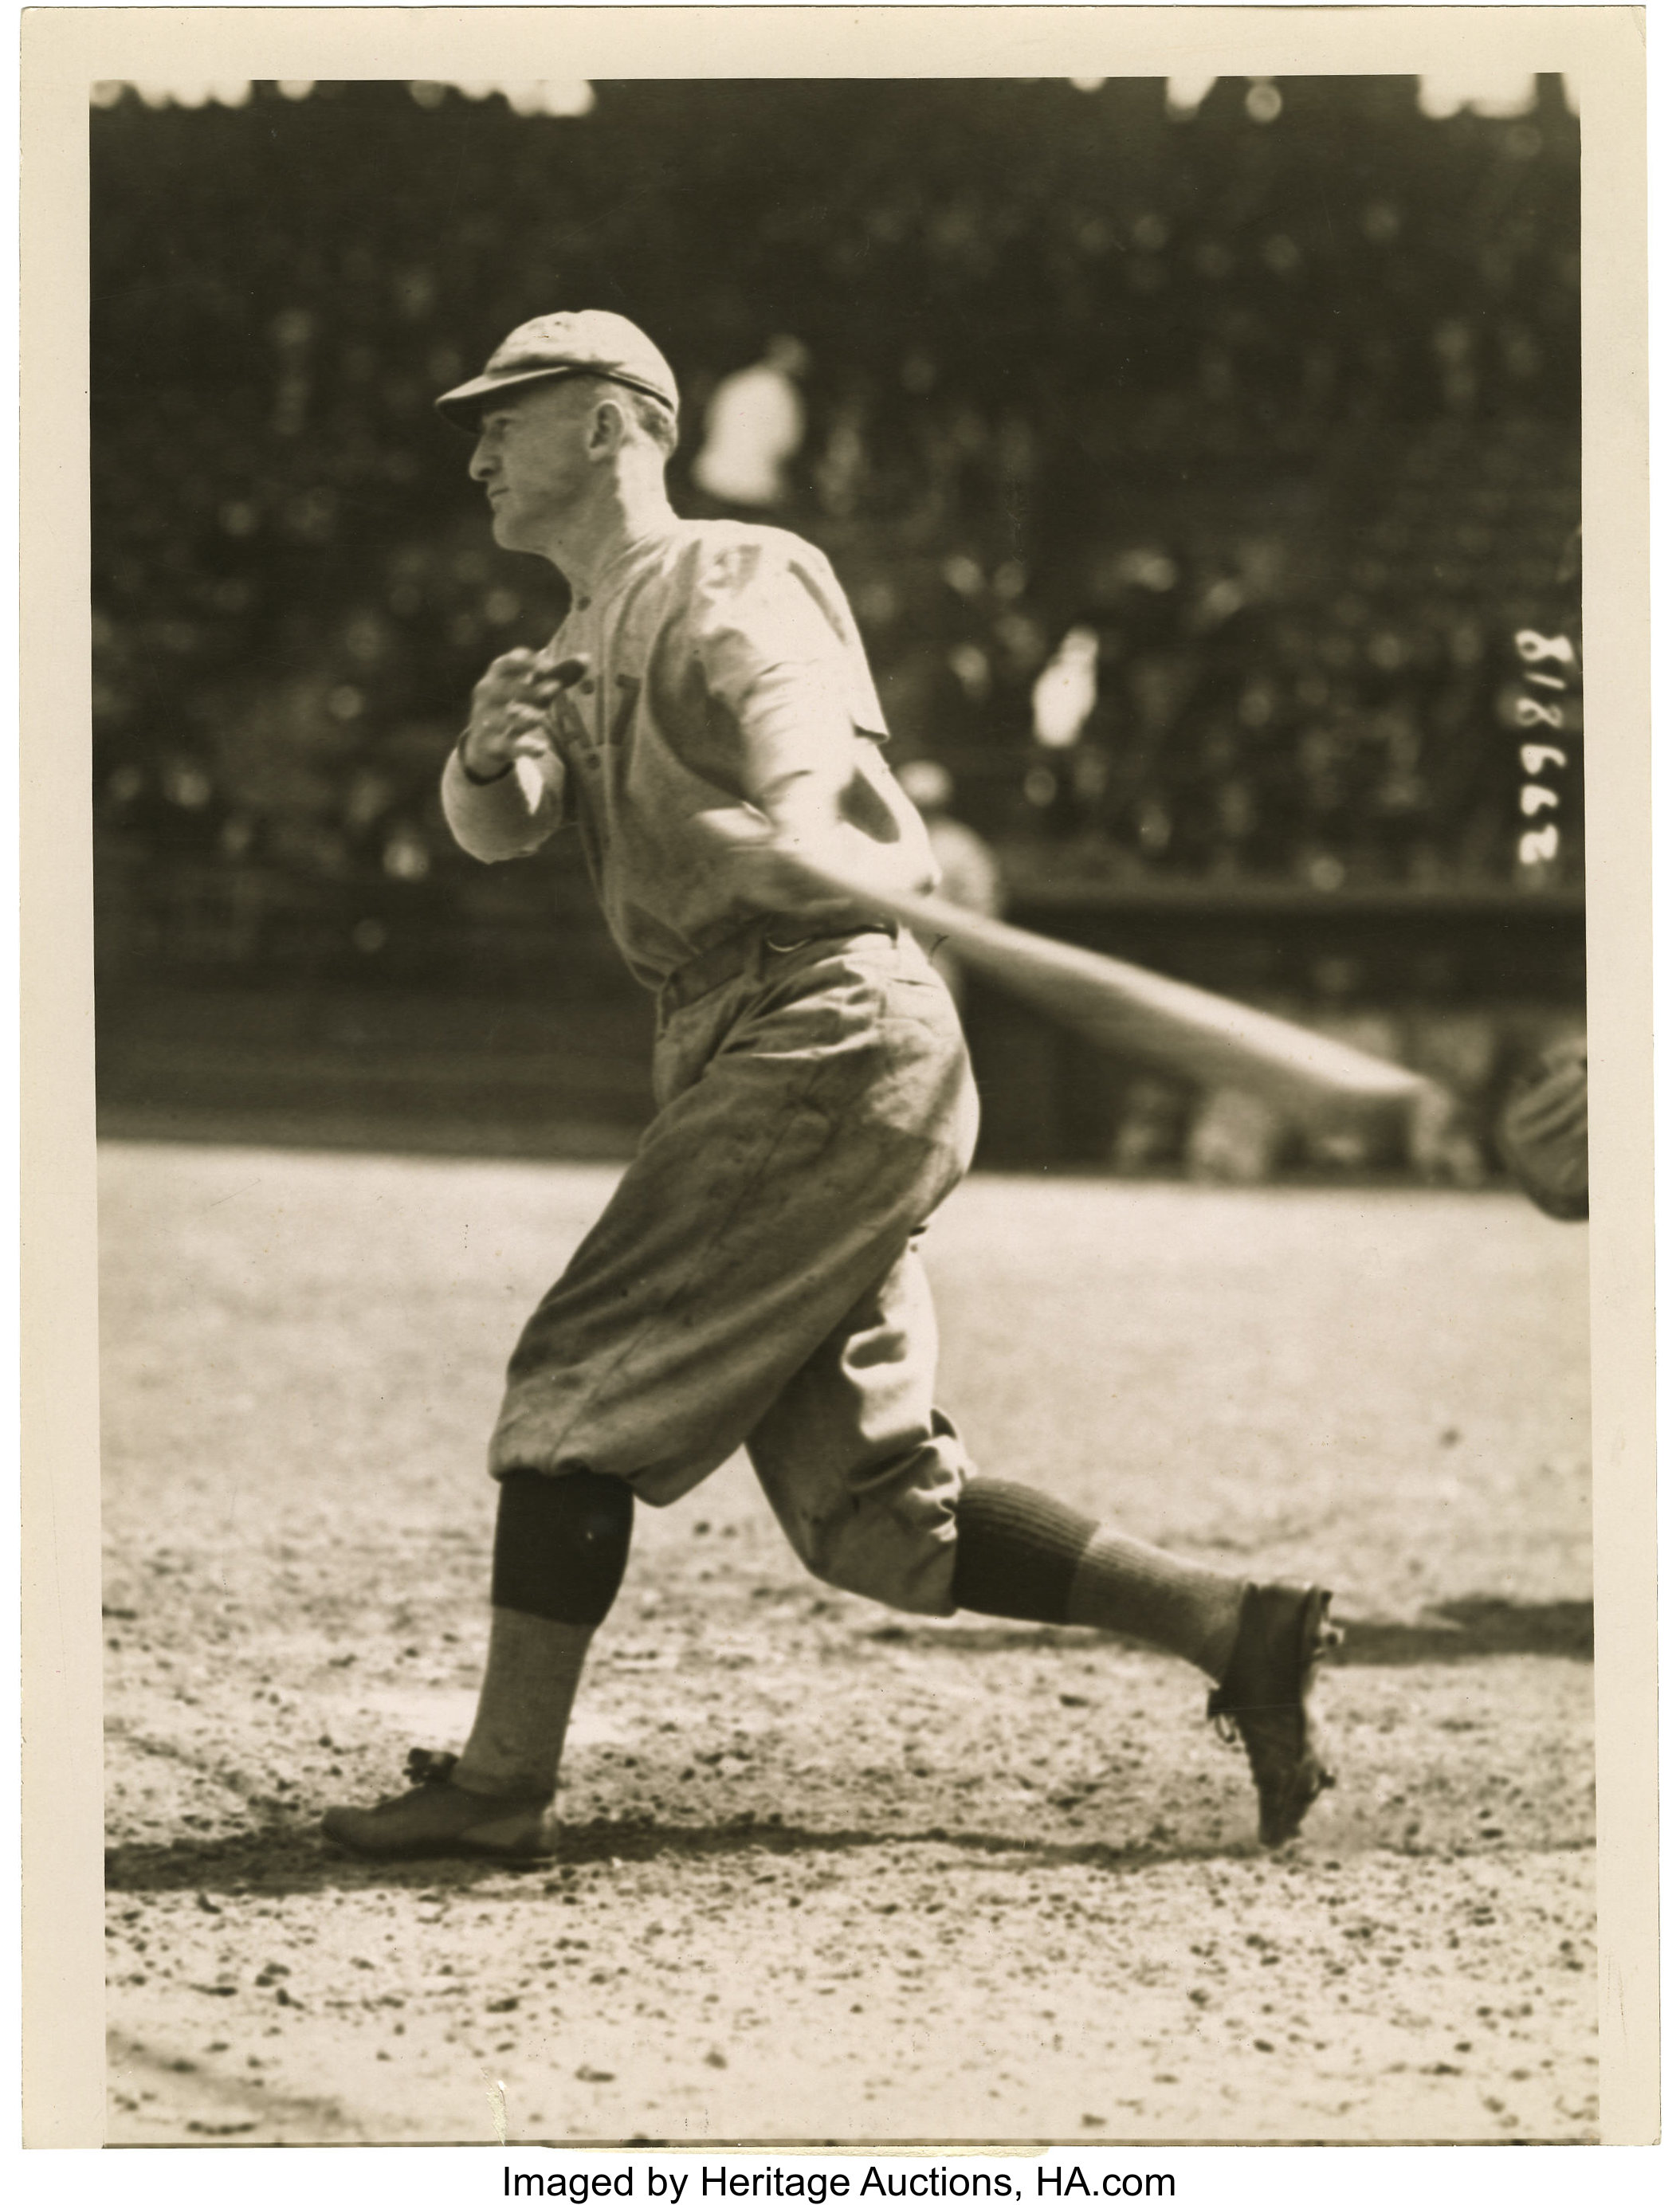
(1188, 473)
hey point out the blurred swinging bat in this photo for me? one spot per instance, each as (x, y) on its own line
(1316, 1082)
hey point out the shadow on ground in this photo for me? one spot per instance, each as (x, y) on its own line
(282, 1857)
(282, 1861)
(1457, 1631)
(1474, 1629)
(228, 2108)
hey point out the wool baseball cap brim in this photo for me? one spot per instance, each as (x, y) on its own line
(555, 346)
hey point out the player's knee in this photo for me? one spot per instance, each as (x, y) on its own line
(562, 1543)
(909, 1567)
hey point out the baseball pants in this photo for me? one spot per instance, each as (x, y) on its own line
(753, 1281)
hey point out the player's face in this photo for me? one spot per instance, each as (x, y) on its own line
(530, 459)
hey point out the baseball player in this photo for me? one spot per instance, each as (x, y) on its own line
(704, 714)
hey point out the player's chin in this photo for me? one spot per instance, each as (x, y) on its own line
(505, 526)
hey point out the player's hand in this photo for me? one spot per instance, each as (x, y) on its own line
(763, 868)
(510, 708)
(1542, 1131)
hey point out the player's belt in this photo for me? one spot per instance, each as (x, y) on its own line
(760, 942)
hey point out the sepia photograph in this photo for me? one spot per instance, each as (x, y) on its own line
(839, 871)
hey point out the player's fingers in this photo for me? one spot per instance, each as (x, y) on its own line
(498, 728)
(494, 693)
(510, 731)
(511, 671)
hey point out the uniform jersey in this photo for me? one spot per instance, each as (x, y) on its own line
(754, 1280)
(723, 660)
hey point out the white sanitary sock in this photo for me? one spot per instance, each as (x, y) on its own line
(530, 1680)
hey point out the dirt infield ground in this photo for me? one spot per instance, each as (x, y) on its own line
(833, 1873)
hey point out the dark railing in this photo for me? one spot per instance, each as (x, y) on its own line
(490, 1010)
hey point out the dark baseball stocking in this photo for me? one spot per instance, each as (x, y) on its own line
(561, 1546)
(1021, 1554)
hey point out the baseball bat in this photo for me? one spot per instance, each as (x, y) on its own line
(1315, 1081)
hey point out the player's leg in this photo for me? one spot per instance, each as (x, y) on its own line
(865, 1474)
(877, 1495)
(817, 1117)
(733, 1245)
(1024, 1555)
(560, 1549)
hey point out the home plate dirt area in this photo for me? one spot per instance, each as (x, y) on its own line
(832, 1873)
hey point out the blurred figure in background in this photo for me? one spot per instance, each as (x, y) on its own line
(968, 873)
(1542, 1131)
(755, 426)
(1065, 693)
(1067, 777)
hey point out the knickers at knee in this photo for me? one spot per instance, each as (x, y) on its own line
(904, 1558)
(561, 1544)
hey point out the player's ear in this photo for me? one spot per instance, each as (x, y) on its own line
(607, 428)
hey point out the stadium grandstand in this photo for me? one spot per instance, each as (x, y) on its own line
(1190, 453)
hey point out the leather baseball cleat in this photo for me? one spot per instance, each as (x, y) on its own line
(1282, 1634)
(437, 1817)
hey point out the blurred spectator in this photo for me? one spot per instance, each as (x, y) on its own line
(754, 425)
(1281, 407)
(1236, 1138)
(1150, 1132)
(1065, 692)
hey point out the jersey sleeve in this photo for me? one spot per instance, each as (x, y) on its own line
(507, 817)
(781, 655)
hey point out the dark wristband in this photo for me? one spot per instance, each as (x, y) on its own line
(479, 780)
